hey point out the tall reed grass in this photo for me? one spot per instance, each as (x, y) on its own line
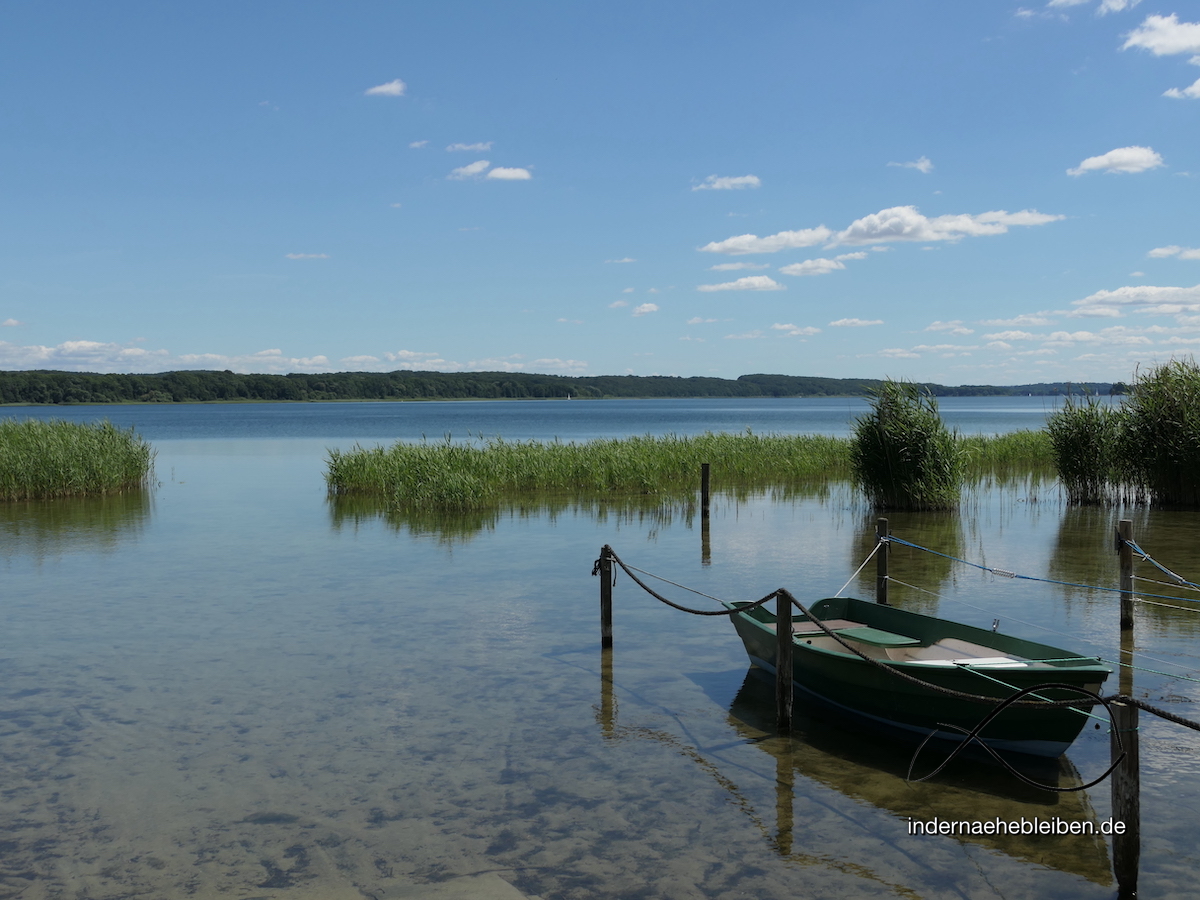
(466, 475)
(1088, 438)
(1161, 442)
(44, 459)
(901, 453)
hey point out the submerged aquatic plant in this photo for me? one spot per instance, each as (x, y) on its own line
(901, 453)
(43, 459)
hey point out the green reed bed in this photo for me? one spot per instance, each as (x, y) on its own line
(1087, 437)
(902, 454)
(1161, 442)
(465, 475)
(46, 459)
(476, 474)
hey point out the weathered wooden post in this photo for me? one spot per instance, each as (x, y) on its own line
(783, 661)
(1126, 798)
(705, 542)
(881, 561)
(704, 492)
(1125, 531)
(606, 586)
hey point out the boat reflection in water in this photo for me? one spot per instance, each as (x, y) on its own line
(833, 753)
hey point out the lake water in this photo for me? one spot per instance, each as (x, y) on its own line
(230, 686)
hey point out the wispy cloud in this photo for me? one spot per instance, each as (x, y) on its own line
(1180, 252)
(618, 304)
(854, 323)
(922, 165)
(728, 183)
(626, 259)
(734, 267)
(645, 309)
(905, 223)
(790, 330)
(10, 323)
(784, 240)
(306, 256)
(395, 88)
(813, 267)
(953, 327)
(474, 148)
(1129, 160)
(1188, 93)
(417, 145)
(749, 283)
(696, 320)
(467, 172)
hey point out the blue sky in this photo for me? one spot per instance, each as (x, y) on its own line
(957, 192)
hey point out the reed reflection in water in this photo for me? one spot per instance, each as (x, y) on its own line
(50, 528)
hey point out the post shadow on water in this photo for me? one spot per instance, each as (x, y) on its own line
(828, 751)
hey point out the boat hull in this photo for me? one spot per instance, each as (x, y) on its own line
(845, 681)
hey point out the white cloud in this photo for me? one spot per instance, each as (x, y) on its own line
(1010, 336)
(1147, 296)
(898, 353)
(1111, 6)
(696, 320)
(1192, 92)
(1023, 319)
(502, 174)
(749, 283)
(734, 267)
(746, 336)
(1165, 36)
(627, 290)
(396, 205)
(497, 364)
(953, 327)
(570, 321)
(1123, 159)
(10, 323)
(728, 183)
(626, 259)
(784, 240)
(922, 165)
(306, 256)
(1173, 250)
(645, 309)
(618, 304)
(394, 88)
(905, 223)
(813, 267)
(1061, 4)
(854, 323)
(417, 145)
(474, 148)
(791, 330)
(858, 254)
(473, 170)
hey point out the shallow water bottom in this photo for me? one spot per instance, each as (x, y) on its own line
(237, 693)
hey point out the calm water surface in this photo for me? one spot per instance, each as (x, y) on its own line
(231, 687)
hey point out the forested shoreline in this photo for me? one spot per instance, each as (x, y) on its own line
(199, 386)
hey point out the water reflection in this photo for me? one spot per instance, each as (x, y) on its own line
(873, 771)
(48, 528)
(1084, 553)
(931, 574)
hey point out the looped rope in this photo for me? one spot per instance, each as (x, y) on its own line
(1014, 700)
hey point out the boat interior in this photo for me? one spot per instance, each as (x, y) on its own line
(886, 645)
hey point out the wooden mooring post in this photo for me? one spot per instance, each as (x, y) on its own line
(783, 661)
(1126, 799)
(1125, 532)
(606, 586)
(881, 561)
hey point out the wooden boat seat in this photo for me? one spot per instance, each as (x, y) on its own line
(953, 651)
(855, 631)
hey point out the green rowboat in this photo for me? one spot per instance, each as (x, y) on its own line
(938, 652)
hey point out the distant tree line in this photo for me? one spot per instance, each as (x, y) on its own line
(192, 386)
